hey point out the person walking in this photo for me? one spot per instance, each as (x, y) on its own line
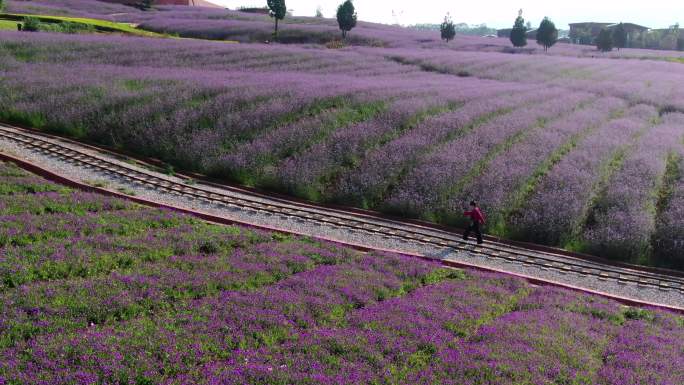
(477, 219)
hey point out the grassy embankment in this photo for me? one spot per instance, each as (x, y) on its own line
(9, 21)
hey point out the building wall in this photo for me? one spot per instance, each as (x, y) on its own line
(586, 33)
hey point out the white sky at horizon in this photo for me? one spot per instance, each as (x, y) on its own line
(495, 13)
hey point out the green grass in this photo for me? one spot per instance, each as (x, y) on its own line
(8, 25)
(679, 60)
(99, 25)
(8, 21)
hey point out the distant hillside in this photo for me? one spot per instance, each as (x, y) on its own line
(197, 3)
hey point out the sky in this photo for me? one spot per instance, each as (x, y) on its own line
(495, 13)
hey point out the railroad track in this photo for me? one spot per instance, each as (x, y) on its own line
(391, 229)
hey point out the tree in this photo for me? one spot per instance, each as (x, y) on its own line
(519, 32)
(447, 29)
(319, 12)
(277, 10)
(620, 36)
(2, 5)
(547, 34)
(604, 41)
(346, 17)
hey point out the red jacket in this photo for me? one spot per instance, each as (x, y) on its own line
(476, 215)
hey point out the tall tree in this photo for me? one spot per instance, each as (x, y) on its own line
(604, 41)
(448, 29)
(519, 31)
(277, 10)
(346, 17)
(547, 34)
(620, 36)
(146, 5)
(319, 12)
(2, 5)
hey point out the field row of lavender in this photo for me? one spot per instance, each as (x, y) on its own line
(222, 24)
(650, 82)
(98, 290)
(556, 156)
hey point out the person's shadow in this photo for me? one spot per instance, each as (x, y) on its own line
(445, 252)
(441, 254)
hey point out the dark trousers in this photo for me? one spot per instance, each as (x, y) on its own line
(474, 226)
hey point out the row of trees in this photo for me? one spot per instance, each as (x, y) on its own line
(547, 34)
(346, 15)
(666, 39)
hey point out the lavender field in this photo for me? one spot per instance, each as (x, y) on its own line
(573, 149)
(96, 290)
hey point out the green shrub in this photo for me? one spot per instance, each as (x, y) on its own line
(208, 247)
(69, 27)
(335, 44)
(634, 313)
(31, 24)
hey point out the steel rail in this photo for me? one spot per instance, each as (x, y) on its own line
(407, 232)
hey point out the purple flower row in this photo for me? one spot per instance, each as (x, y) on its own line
(668, 241)
(624, 217)
(221, 305)
(385, 165)
(205, 330)
(427, 188)
(558, 207)
(504, 182)
(601, 76)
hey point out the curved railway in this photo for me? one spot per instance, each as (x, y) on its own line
(351, 221)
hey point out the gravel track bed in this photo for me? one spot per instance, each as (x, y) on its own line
(90, 176)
